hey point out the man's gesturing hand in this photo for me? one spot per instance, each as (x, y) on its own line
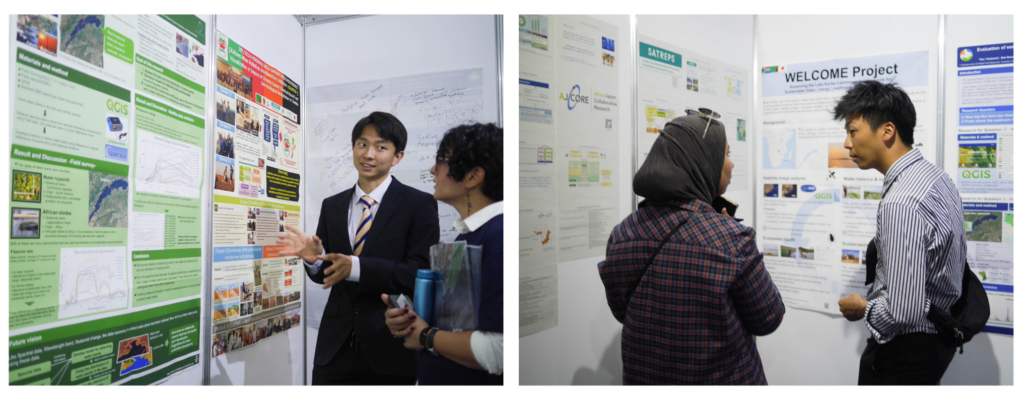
(300, 244)
(338, 271)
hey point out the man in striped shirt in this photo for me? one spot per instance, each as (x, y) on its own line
(920, 237)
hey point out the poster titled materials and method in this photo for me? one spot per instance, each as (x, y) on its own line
(257, 292)
(106, 217)
(672, 80)
(979, 157)
(426, 104)
(817, 212)
(568, 152)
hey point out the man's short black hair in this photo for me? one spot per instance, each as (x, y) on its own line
(387, 126)
(471, 146)
(878, 104)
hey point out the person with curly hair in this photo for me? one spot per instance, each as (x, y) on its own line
(467, 176)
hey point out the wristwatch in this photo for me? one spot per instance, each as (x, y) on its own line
(423, 338)
(427, 340)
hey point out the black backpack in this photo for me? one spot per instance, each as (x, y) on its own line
(966, 318)
(968, 315)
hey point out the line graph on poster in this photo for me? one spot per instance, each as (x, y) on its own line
(166, 166)
(92, 280)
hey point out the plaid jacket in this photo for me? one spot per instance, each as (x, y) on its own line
(693, 314)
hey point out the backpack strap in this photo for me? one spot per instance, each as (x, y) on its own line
(650, 260)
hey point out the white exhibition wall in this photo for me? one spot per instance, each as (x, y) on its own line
(390, 46)
(584, 347)
(278, 360)
(809, 347)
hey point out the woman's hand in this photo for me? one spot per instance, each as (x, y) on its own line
(404, 323)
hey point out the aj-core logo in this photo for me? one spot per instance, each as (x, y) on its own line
(573, 97)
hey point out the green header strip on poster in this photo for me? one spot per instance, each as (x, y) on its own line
(166, 72)
(63, 72)
(190, 24)
(661, 55)
(34, 338)
(138, 256)
(254, 203)
(150, 104)
(19, 152)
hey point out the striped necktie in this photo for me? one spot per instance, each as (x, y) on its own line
(364, 224)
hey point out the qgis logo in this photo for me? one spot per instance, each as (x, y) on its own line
(117, 107)
(574, 98)
(977, 174)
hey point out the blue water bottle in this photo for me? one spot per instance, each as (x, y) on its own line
(423, 295)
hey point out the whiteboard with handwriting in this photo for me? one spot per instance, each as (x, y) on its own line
(427, 104)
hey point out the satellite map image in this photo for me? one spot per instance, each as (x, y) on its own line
(82, 37)
(108, 200)
(984, 226)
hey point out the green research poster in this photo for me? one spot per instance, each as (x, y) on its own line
(107, 158)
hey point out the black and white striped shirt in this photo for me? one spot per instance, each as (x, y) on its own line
(921, 248)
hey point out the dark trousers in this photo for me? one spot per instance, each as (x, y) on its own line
(349, 367)
(911, 359)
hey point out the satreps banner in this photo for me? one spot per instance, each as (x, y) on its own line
(106, 163)
(257, 292)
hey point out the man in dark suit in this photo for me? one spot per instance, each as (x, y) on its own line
(371, 239)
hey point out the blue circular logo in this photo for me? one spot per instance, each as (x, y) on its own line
(569, 101)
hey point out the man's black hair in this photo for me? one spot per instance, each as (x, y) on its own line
(387, 126)
(471, 146)
(878, 104)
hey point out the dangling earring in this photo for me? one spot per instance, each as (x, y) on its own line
(470, 204)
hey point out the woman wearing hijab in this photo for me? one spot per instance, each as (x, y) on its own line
(690, 310)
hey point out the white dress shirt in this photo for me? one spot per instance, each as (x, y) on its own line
(488, 347)
(355, 215)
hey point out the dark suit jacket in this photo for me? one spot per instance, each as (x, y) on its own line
(397, 245)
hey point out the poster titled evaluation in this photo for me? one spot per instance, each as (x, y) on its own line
(979, 158)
